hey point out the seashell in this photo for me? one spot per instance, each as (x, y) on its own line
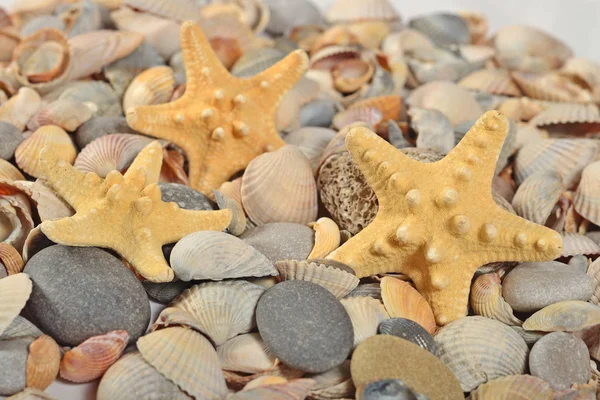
(527, 134)
(479, 349)
(31, 394)
(14, 293)
(153, 86)
(35, 242)
(585, 69)
(255, 61)
(494, 81)
(552, 87)
(374, 111)
(187, 359)
(311, 141)
(366, 314)
(348, 11)
(232, 189)
(81, 17)
(180, 10)
(286, 15)
(370, 34)
(327, 237)
(48, 204)
(337, 35)
(338, 281)
(10, 259)
(288, 112)
(328, 58)
(409, 330)
(477, 23)
(486, 300)
(17, 218)
(477, 55)
(402, 300)
(433, 64)
(279, 186)
(9, 173)
(530, 337)
(396, 43)
(21, 107)
(537, 195)
(237, 226)
(586, 197)
(9, 40)
(567, 113)
(246, 353)
(433, 129)
(221, 309)
(92, 358)
(333, 384)
(53, 137)
(97, 92)
(521, 109)
(43, 362)
(42, 22)
(265, 380)
(238, 381)
(443, 29)
(132, 377)
(172, 316)
(296, 389)
(64, 113)
(515, 387)
(350, 75)
(574, 243)
(256, 14)
(566, 316)
(20, 327)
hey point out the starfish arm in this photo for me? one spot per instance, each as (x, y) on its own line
(160, 121)
(145, 169)
(78, 230)
(147, 258)
(178, 222)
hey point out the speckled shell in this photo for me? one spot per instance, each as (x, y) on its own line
(552, 87)
(479, 349)
(443, 29)
(53, 137)
(217, 255)
(566, 316)
(494, 81)
(10, 137)
(68, 114)
(19, 109)
(14, 293)
(486, 300)
(366, 314)
(43, 362)
(237, 226)
(187, 359)
(246, 353)
(221, 309)
(567, 113)
(537, 195)
(402, 300)
(409, 330)
(587, 196)
(10, 259)
(333, 384)
(575, 243)
(296, 389)
(153, 86)
(516, 387)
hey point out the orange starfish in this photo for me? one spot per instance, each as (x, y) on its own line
(221, 122)
(437, 222)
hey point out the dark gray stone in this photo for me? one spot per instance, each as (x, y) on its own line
(408, 330)
(560, 359)
(533, 286)
(281, 240)
(10, 137)
(318, 113)
(305, 326)
(80, 292)
(13, 365)
(100, 126)
(165, 292)
(390, 389)
(20, 327)
(185, 197)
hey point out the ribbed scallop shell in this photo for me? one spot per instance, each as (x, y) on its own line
(179, 10)
(575, 243)
(479, 349)
(296, 389)
(55, 138)
(311, 141)
(255, 61)
(131, 377)
(333, 384)
(552, 87)
(352, 11)
(221, 309)
(444, 29)
(486, 300)
(68, 114)
(92, 358)
(172, 316)
(566, 316)
(237, 226)
(328, 58)
(246, 353)
(9, 172)
(374, 111)
(10, 259)
(153, 86)
(494, 81)
(19, 109)
(587, 196)
(20, 327)
(516, 387)
(402, 300)
(567, 113)
(327, 237)
(366, 314)
(337, 281)
(43, 362)
(285, 14)
(187, 359)
(14, 293)
(537, 195)
(409, 330)
(279, 186)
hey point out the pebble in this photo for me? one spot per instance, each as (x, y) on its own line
(318, 113)
(185, 197)
(533, 286)
(305, 326)
(10, 137)
(281, 240)
(408, 330)
(13, 362)
(79, 292)
(579, 262)
(20, 327)
(390, 389)
(100, 126)
(165, 292)
(560, 359)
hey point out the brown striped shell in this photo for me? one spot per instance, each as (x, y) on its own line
(43, 362)
(514, 387)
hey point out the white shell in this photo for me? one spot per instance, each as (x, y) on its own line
(246, 353)
(14, 293)
(337, 281)
(366, 314)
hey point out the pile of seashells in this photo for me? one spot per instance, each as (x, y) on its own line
(70, 71)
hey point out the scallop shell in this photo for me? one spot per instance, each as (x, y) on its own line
(443, 29)
(479, 349)
(180, 10)
(494, 81)
(256, 61)
(409, 330)
(516, 387)
(237, 226)
(20, 327)
(10, 259)
(587, 196)
(374, 111)
(327, 237)
(221, 309)
(311, 141)
(9, 172)
(285, 15)
(338, 281)
(14, 293)
(537, 195)
(53, 137)
(366, 314)
(172, 316)
(246, 353)
(552, 87)
(530, 337)
(131, 377)
(43, 362)
(296, 389)
(351, 75)
(92, 358)
(477, 23)
(349, 11)
(567, 113)
(566, 316)
(49, 205)
(19, 109)
(68, 114)
(97, 92)
(333, 384)
(486, 300)
(402, 300)
(153, 86)
(328, 58)
(279, 186)
(574, 243)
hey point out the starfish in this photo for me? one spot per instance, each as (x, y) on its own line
(221, 122)
(124, 213)
(437, 222)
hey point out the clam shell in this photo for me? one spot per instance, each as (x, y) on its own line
(486, 300)
(311, 141)
(180, 10)
(567, 113)
(530, 337)
(246, 353)
(222, 309)
(494, 81)
(50, 136)
(443, 29)
(19, 109)
(49, 205)
(587, 196)
(594, 272)
(574, 244)
(350, 75)
(237, 226)
(172, 316)
(233, 189)
(327, 237)
(587, 70)
(153, 86)
(14, 293)
(286, 15)
(92, 358)
(409, 330)
(566, 316)
(97, 92)
(537, 195)
(433, 129)
(280, 187)
(296, 389)
(333, 384)
(43, 362)
(68, 114)
(20, 327)
(349, 11)
(374, 111)
(366, 314)
(402, 300)
(479, 349)
(339, 282)
(552, 87)
(516, 387)
(216, 256)
(9, 172)
(256, 61)
(10, 259)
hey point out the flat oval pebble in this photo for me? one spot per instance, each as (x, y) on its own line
(10, 137)
(97, 127)
(80, 292)
(408, 330)
(389, 389)
(560, 359)
(534, 285)
(305, 326)
(13, 364)
(185, 197)
(281, 240)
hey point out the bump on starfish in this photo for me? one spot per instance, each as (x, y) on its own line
(124, 213)
(221, 122)
(438, 223)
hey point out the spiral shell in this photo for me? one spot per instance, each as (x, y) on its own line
(153, 86)
(19, 109)
(14, 293)
(55, 138)
(402, 300)
(537, 195)
(487, 301)
(366, 313)
(515, 387)
(246, 353)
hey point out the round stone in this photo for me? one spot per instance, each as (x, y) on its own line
(13, 364)
(561, 360)
(388, 357)
(318, 113)
(97, 127)
(10, 137)
(80, 292)
(305, 326)
(534, 285)
(281, 240)
(185, 197)
(165, 292)
(408, 330)
(389, 389)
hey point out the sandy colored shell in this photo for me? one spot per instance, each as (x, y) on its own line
(9, 172)
(246, 353)
(92, 358)
(566, 316)
(486, 300)
(335, 383)
(237, 226)
(402, 300)
(349, 11)
(537, 195)
(494, 81)
(327, 237)
(515, 387)
(49, 205)
(374, 111)
(552, 87)
(587, 196)
(444, 29)
(153, 86)
(43, 362)
(233, 189)
(54, 138)
(296, 389)
(311, 141)
(575, 243)
(567, 113)
(10, 259)
(366, 314)
(479, 349)
(68, 114)
(19, 109)
(339, 282)
(179, 10)
(14, 293)
(280, 187)
(222, 309)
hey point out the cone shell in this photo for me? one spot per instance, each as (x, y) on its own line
(92, 358)
(19, 109)
(43, 362)
(374, 111)
(14, 293)
(537, 195)
(153, 86)
(409, 330)
(479, 349)
(402, 300)
(552, 87)
(280, 187)
(296, 389)
(515, 387)
(575, 243)
(567, 113)
(493, 81)
(587, 197)
(366, 314)
(9, 172)
(486, 300)
(10, 259)
(68, 114)
(246, 353)
(237, 226)
(221, 309)
(327, 237)
(566, 316)
(187, 359)
(53, 137)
